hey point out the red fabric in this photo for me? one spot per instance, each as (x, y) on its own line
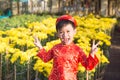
(67, 17)
(65, 61)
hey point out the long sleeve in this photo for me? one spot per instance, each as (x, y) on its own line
(90, 62)
(65, 61)
(45, 56)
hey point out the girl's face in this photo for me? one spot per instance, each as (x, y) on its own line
(66, 34)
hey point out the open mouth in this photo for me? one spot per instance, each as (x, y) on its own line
(65, 40)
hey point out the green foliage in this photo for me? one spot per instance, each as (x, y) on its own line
(19, 21)
(1, 12)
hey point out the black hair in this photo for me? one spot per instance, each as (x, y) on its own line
(61, 24)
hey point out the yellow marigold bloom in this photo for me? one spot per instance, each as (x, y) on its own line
(15, 56)
(1, 33)
(7, 56)
(3, 47)
(93, 70)
(104, 59)
(23, 57)
(30, 43)
(21, 42)
(99, 53)
(5, 40)
(101, 43)
(40, 35)
(108, 43)
(81, 68)
(49, 45)
(11, 50)
(41, 66)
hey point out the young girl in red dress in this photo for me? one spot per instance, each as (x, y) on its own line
(66, 55)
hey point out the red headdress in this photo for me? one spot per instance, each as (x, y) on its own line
(67, 17)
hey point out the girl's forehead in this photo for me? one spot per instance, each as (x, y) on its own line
(66, 27)
(69, 26)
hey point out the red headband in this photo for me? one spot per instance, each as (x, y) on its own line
(67, 17)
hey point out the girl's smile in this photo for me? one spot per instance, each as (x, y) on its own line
(66, 34)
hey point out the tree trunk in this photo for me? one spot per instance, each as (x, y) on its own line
(51, 2)
(58, 5)
(108, 7)
(97, 6)
(10, 2)
(31, 5)
(18, 8)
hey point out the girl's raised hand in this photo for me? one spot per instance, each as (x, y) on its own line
(37, 42)
(94, 47)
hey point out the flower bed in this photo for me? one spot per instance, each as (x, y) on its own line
(17, 48)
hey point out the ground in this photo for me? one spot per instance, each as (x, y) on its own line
(112, 71)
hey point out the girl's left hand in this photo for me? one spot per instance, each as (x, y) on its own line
(94, 48)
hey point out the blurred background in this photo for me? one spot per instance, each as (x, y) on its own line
(20, 20)
(81, 7)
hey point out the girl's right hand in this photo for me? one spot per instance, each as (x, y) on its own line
(37, 42)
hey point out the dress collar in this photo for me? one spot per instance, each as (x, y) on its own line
(71, 44)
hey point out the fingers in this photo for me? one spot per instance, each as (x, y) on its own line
(36, 39)
(37, 42)
(95, 45)
(94, 51)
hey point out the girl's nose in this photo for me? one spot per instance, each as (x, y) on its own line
(65, 35)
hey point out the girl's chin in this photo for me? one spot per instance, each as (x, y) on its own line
(66, 43)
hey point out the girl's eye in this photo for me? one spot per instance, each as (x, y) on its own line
(68, 31)
(61, 32)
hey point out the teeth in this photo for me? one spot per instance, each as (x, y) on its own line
(66, 40)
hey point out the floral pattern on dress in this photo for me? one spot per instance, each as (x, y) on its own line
(65, 61)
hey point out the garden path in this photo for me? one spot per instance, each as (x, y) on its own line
(112, 71)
